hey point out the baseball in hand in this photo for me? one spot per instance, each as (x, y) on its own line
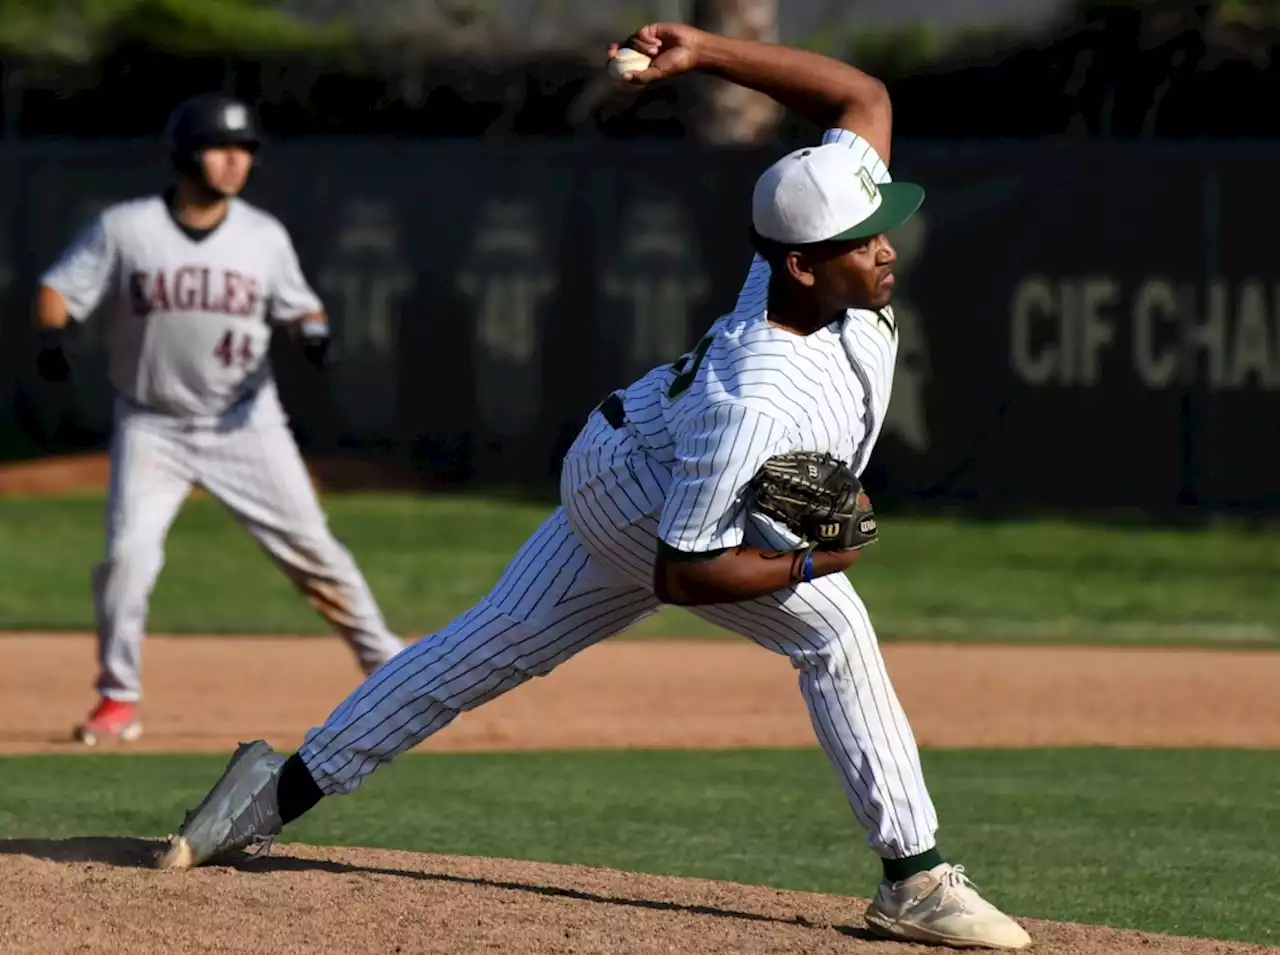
(627, 61)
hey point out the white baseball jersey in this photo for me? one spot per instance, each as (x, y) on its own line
(750, 390)
(694, 433)
(188, 318)
(187, 337)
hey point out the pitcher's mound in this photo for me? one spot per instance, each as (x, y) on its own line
(98, 895)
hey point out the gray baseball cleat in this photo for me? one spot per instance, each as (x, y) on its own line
(241, 810)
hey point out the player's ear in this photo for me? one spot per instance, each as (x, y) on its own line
(799, 268)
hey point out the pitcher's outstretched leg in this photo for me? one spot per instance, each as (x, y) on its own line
(552, 601)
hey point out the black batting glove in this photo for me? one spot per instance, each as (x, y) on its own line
(316, 344)
(51, 361)
(315, 349)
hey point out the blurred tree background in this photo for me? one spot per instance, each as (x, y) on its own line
(1141, 68)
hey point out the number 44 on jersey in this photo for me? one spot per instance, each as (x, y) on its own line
(235, 350)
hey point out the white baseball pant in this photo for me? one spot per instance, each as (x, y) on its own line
(250, 463)
(585, 575)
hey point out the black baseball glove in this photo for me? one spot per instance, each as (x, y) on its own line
(817, 497)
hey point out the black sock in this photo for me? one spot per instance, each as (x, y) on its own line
(895, 870)
(296, 791)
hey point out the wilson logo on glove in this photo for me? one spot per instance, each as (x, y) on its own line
(815, 496)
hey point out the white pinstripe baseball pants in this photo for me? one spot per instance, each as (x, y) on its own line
(251, 464)
(585, 575)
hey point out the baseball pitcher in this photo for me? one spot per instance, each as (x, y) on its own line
(193, 280)
(727, 481)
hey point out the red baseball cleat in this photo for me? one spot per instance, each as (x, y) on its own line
(110, 719)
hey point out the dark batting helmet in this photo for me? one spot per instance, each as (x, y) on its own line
(209, 119)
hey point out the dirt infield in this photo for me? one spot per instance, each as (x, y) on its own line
(65, 474)
(79, 473)
(100, 895)
(361, 900)
(209, 693)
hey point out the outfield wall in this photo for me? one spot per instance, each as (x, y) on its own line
(1089, 325)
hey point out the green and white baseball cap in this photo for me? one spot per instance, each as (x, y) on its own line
(823, 193)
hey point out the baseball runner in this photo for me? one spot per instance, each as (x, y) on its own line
(726, 482)
(193, 279)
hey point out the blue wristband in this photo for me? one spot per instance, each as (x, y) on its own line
(807, 573)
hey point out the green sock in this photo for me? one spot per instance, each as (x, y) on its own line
(895, 870)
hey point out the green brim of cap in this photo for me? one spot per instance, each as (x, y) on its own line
(898, 203)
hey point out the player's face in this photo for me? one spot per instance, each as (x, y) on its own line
(226, 168)
(853, 274)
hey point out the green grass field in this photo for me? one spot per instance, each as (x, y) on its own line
(1172, 841)
(429, 557)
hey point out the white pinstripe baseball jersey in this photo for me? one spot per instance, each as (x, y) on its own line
(750, 390)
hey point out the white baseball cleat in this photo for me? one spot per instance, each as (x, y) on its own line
(941, 907)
